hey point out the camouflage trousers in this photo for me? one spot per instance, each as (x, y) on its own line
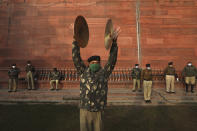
(91, 121)
(30, 80)
(13, 84)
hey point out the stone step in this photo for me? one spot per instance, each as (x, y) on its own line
(117, 96)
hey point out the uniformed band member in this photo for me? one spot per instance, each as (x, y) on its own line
(30, 79)
(147, 83)
(189, 74)
(55, 77)
(136, 75)
(13, 78)
(170, 74)
(93, 87)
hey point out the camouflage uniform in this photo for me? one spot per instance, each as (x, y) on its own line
(93, 87)
(170, 74)
(55, 77)
(136, 75)
(13, 79)
(30, 79)
(189, 74)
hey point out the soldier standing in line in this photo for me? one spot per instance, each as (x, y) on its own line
(170, 75)
(136, 74)
(147, 83)
(30, 78)
(13, 78)
(189, 74)
(55, 77)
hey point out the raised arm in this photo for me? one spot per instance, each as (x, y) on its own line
(78, 62)
(109, 66)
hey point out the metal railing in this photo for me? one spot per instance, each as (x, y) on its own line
(70, 74)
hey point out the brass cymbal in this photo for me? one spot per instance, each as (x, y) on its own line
(81, 31)
(108, 33)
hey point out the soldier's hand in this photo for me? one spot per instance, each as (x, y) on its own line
(115, 33)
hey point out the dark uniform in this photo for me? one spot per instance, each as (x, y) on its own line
(30, 79)
(189, 74)
(136, 75)
(147, 83)
(170, 74)
(13, 78)
(93, 87)
(55, 77)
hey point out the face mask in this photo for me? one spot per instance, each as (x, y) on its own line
(13, 66)
(190, 64)
(28, 64)
(136, 66)
(148, 68)
(94, 67)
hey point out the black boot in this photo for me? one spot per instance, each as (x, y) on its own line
(192, 88)
(186, 87)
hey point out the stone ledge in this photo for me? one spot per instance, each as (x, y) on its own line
(116, 96)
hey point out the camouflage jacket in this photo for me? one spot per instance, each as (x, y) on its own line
(30, 68)
(13, 73)
(147, 75)
(93, 86)
(55, 75)
(189, 71)
(170, 71)
(136, 73)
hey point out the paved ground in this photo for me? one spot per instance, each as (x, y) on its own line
(116, 96)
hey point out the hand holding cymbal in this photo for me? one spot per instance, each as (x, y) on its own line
(111, 34)
(115, 33)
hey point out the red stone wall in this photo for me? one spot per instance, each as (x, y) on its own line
(169, 32)
(42, 31)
